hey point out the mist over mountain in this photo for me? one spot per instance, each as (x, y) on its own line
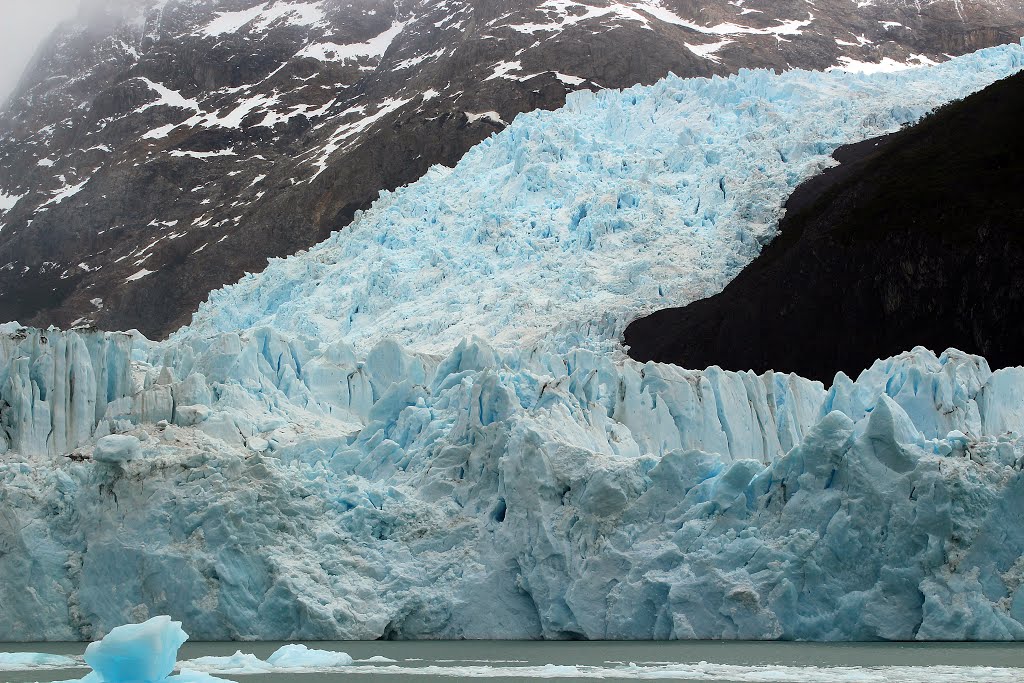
(23, 27)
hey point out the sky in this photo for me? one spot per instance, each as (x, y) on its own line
(23, 26)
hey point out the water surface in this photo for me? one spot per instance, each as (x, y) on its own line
(719, 662)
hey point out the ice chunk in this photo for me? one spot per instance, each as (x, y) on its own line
(298, 656)
(117, 448)
(238, 663)
(137, 653)
(14, 661)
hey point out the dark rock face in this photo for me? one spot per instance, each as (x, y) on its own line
(158, 149)
(915, 239)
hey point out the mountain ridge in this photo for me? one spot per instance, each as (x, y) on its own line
(159, 152)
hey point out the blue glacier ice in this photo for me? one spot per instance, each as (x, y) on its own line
(425, 426)
(568, 224)
(137, 653)
(491, 493)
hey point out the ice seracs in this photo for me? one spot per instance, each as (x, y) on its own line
(396, 493)
(563, 227)
(425, 427)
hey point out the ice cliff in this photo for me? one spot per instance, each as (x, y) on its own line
(422, 428)
(283, 492)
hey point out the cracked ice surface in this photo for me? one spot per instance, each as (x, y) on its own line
(568, 224)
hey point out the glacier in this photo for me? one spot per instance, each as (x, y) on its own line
(425, 427)
(567, 225)
(486, 494)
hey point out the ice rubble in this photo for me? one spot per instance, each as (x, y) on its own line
(293, 657)
(35, 660)
(567, 224)
(312, 478)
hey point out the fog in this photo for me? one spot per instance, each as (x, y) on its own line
(23, 26)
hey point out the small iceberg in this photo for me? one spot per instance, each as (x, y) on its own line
(298, 656)
(19, 661)
(141, 653)
(238, 663)
(292, 658)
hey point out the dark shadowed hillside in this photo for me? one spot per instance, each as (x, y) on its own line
(915, 239)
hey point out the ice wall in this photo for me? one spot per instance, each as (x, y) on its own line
(312, 492)
(56, 387)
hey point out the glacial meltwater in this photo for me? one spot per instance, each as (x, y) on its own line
(740, 662)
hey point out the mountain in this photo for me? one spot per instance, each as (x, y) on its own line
(425, 427)
(157, 149)
(917, 238)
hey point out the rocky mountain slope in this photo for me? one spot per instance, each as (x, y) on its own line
(157, 149)
(915, 239)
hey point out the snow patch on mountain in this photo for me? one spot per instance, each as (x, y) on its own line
(168, 97)
(561, 14)
(262, 17)
(348, 130)
(8, 201)
(333, 52)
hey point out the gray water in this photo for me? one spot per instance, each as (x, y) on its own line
(723, 662)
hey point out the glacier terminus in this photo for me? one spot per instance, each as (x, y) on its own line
(426, 427)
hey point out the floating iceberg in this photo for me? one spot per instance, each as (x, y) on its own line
(329, 452)
(137, 653)
(16, 661)
(238, 663)
(292, 657)
(298, 656)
